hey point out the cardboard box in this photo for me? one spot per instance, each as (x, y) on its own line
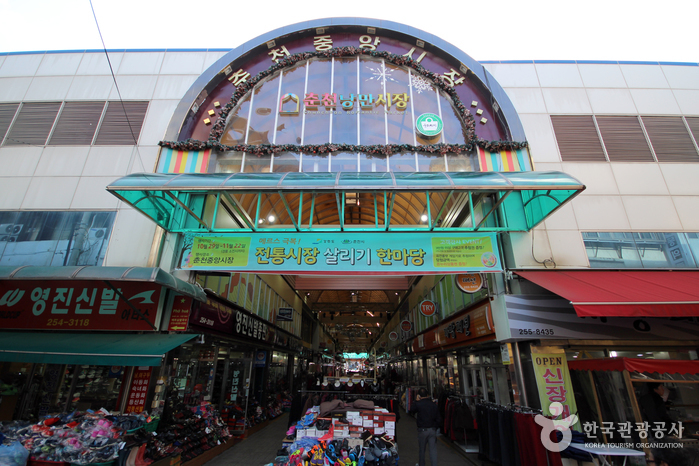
(378, 424)
(311, 433)
(390, 424)
(300, 433)
(368, 423)
(379, 430)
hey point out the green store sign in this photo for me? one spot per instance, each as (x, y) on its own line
(429, 125)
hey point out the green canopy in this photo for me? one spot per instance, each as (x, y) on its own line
(96, 349)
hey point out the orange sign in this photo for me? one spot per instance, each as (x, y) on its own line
(406, 326)
(393, 336)
(428, 308)
(469, 282)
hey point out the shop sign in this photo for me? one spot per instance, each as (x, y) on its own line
(505, 350)
(429, 125)
(393, 336)
(179, 317)
(386, 253)
(138, 391)
(222, 318)
(541, 317)
(261, 359)
(454, 330)
(77, 305)
(554, 383)
(285, 314)
(428, 308)
(328, 103)
(469, 282)
(406, 326)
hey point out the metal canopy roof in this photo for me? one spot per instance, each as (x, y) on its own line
(454, 201)
(118, 274)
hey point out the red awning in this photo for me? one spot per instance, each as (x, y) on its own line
(600, 293)
(661, 366)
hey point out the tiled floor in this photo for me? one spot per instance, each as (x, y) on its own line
(261, 447)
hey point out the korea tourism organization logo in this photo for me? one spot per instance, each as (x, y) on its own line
(429, 125)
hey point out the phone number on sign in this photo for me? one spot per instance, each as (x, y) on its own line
(536, 331)
(68, 322)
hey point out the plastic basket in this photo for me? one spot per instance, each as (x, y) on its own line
(32, 462)
(152, 425)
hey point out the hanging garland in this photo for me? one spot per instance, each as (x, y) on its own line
(265, 149)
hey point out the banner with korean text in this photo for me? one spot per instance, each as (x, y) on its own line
(554, 383)
(346, 253)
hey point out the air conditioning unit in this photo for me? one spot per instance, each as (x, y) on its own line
(9, 232)
(96, 234)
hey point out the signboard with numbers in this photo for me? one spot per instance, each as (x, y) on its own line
(138, 391)
(386, 253)
(77, 305)
(179, 317)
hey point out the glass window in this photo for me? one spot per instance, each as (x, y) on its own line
(640, 250)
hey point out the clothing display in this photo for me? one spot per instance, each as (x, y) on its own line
(511, 437)
(459, 423)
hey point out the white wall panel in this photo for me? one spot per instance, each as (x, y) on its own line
(542, 143)
(173, 87)
(655, 101)
(682, 77)
(527, 100)
(131, 240)
(566, 101)
(568, 248)
(144, 159)
(50, 192)
(159, 115)
(597, 177)
(644, 76)
(559, 75)
(2, 59)
(19, 160)
(562, 219)
(90, 88)
(688, 101)
(600, 213)
(141, 63)
(687, 208)
(612, 101)
(651, 213)
(96, 63)
(12, 191)
(108, 161)
(594, 75)
(639, 178)
(211, 58)
(681, 178)
(49, 88)
(91, 194)
(522, 247)
(514, 74)
(14, 89)
(62, 161)
(134, 87)
(21, 65)
(59, 64)
(183, 63)
(548, 166)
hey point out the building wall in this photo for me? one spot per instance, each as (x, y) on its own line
(638, 197)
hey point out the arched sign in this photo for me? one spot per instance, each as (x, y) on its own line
(406, 326)
(428, 308)
(393, 336)
(469, 282)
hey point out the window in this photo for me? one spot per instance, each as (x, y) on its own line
(54, 238)
(641, 250)
(72, 123)
(586, 138)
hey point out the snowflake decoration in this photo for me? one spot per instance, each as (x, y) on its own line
(420, 84)
(381, 73)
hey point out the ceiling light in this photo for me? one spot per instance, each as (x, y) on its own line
(261, 221)
(423, 217)
(270, 219)
(369, 312)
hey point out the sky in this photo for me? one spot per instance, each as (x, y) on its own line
(622, 30)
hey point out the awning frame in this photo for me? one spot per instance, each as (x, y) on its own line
(183, 203)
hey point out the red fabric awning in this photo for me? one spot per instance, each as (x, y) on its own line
(661, 366)
(600, 293)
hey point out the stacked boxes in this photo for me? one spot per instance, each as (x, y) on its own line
(376, 422)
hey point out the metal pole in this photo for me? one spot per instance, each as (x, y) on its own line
(519, 373)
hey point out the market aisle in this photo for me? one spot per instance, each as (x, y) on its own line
(259, 449)
(406, 433)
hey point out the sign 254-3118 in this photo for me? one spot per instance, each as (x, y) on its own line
(536, 331)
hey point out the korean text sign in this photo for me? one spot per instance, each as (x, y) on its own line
(345, 253)
(77, 305)
(553, 381)
(138, 390)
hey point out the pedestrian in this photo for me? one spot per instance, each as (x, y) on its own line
(428, 421)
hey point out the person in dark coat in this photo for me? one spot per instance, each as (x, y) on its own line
(428, 422)
(652, 406)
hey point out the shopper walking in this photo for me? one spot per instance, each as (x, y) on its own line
(428, 422)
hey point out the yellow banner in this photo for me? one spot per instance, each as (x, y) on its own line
(211, 250)
(553, 381)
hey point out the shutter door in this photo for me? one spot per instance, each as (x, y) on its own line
(7, 113)
(77, 124)
(670, 139)
(577, 138)
(624, 139)
(33, 124)
(122, 124)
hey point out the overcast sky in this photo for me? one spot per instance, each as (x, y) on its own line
(485, 30)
